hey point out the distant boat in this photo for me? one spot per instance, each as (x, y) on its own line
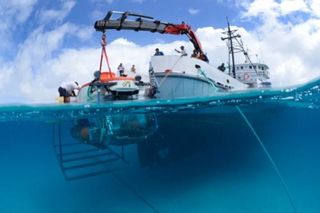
(253, 74)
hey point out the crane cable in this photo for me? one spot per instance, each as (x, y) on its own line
(104, 52)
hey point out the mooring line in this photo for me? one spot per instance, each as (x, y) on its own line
(274, 165)
(137, 194)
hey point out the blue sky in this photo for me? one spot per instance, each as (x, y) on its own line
(47, 42)
(84, 13)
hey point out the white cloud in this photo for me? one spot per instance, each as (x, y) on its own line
(57, 15)
(268, 8)
(275, 8)
(280, 8)
(290, 48)
(33, 69)
(289, 6)
(13, 14)
(16, 11)
(193, 11)
(315, 7)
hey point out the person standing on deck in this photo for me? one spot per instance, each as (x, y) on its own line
(182, 51)
(133, 69)
(222, 68)
(195, 54)
(121, 70)
(158, 52)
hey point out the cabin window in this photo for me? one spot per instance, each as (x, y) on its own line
(254, 66)
(250, 67)
(262, 68)
(242, 67)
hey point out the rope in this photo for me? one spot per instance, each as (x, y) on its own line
(104, 52)
(167, 74)
(136, 193)
(274, 165)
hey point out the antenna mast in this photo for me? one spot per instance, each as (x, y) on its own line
(230, 36)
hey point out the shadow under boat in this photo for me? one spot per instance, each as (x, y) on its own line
(99, 142)
(109, 143)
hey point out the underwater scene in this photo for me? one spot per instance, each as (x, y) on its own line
(255, 151)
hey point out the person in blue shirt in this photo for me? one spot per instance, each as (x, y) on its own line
(158, 52)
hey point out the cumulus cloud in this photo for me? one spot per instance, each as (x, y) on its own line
(293, 58)
(13, 14)
(275, 8)
(315, 7)
(193, 11)
(32, 54)
(289, 6)
(262, 7)
(29, 64)
(48, 15)
(17, 11)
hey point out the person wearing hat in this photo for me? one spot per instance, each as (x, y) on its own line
(66, 90)
(158, 52)
(182, 51)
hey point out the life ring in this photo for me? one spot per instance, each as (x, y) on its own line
(246, 76)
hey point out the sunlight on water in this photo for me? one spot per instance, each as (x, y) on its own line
(185, 155)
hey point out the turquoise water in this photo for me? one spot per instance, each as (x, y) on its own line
(186, 155)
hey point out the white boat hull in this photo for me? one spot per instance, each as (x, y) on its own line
(177, 85)
(178, 77)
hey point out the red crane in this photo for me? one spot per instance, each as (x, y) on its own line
(137, 22)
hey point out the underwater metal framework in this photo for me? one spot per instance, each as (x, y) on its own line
(79, 160)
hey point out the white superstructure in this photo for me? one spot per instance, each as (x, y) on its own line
(251, 74)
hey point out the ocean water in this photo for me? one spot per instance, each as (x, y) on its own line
(254, 151)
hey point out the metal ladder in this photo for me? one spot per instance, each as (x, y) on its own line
(80, 160)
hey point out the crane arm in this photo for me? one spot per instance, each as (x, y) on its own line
(146, 23)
